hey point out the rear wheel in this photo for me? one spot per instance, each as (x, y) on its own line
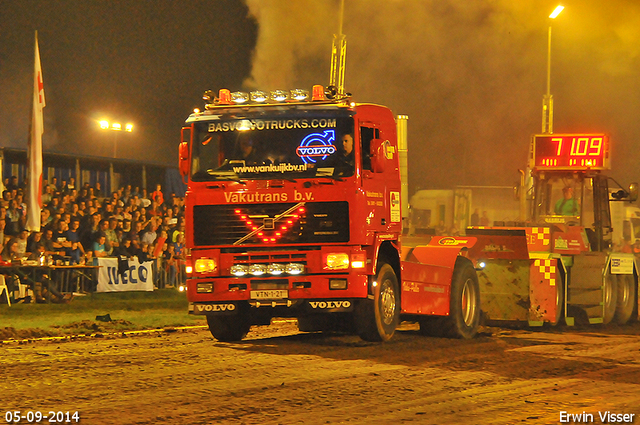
(626, 295)
(229, 328)
(610, 296)
(559, 302)
(464, 314)
(464, 307)
(376, 319)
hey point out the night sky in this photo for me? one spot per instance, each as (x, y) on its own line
(470, 74)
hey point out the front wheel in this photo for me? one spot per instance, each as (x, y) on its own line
(229, 328)
(376, 319)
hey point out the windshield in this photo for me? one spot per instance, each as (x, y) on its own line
(565, 196)
(288, 147)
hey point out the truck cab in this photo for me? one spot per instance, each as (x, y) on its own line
(294, 209)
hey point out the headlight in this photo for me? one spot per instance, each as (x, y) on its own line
(337, 261)
(275, 269)
(204, 265)
(239, 269)
(257, 269)
(295, 268)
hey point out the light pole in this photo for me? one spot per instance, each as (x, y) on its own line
(116, 127)
(547, 99)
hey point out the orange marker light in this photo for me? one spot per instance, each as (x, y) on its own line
(318, 93)
(224, 97)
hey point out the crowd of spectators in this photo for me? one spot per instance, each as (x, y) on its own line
(79, 224)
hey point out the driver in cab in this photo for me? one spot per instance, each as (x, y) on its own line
(567, 205)
(247, 151)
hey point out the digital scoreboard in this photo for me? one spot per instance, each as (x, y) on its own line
(570, 152)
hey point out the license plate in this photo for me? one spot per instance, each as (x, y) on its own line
(270, 294)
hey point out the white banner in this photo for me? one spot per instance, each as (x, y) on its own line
(137, 277)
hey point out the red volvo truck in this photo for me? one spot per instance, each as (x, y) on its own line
(295, 209)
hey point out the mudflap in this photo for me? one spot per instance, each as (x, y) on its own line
(547, 289)
(504, 290)
(514, 285)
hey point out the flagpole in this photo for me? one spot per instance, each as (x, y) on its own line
(36, 129)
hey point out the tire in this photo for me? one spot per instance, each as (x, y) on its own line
(464, 309)
(610, 296)
(432, 326)
(308, 324)
(229, 328)
(559, 303)
(626, 298)
(377, 319)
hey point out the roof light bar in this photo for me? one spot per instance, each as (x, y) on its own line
(225, 97)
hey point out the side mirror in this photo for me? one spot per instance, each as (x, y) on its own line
(633, 192)
(381, 151)
(183, 154)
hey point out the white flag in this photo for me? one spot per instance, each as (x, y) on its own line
(34, 200)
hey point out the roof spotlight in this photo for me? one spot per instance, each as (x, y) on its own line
(279, 95)
(299, 94)
(239, 97)
(259, 96)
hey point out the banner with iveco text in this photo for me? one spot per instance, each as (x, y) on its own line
(137, 277)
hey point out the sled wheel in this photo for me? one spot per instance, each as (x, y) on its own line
(229, 328)
(610, 296)
(626, 298)
(376, 319)
(464, 312)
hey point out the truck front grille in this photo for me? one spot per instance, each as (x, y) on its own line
(271, 224)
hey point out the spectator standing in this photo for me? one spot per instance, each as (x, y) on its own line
(484, 220)
(21, 240)
(157, 195)
(47, 195)
(144, 199)
(54, 185)
(475, 218)
(149, 235)
(111, 235)
(13, 218)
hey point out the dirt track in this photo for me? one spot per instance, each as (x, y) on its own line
(279, 376)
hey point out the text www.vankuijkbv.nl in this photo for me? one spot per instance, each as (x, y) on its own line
(280, 168)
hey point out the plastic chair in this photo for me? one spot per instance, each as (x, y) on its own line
(4, 289)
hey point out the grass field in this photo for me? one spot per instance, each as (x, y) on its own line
(127, 310)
